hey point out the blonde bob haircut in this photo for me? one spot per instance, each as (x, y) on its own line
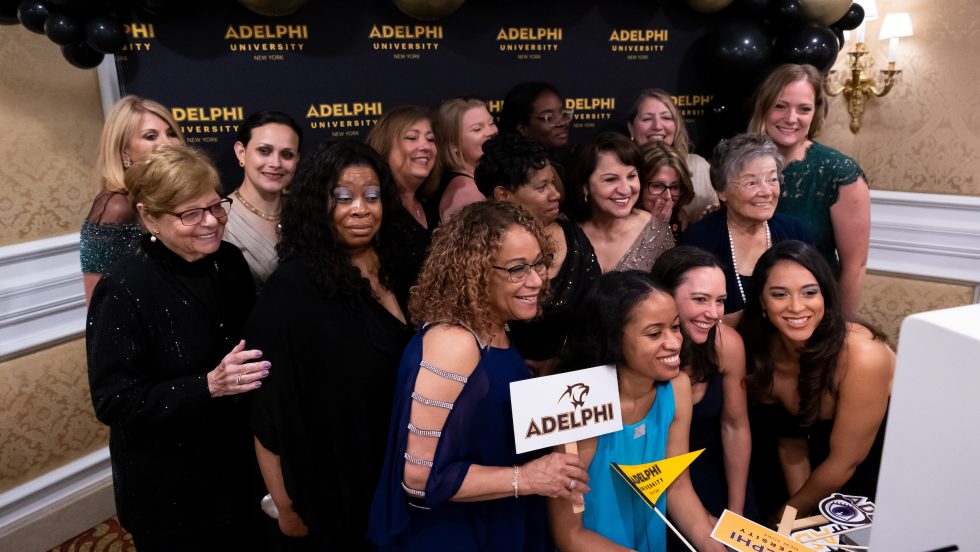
(449, 119)
(682, 142)
(657, 154)
(121, 124)
(391, 127)
(454, 284)
(169, 176)
(770, 90)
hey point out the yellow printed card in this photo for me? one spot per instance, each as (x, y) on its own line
(744, 535)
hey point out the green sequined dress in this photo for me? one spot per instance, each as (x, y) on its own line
(110, 232)
(811, 187)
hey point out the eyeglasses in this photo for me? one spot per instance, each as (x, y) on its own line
(519, 272)
(563, 117)
(192, 217)
(657, 188)
(753, 184)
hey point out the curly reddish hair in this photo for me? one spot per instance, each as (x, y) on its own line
(454, 285)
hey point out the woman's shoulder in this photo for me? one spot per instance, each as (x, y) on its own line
(865, 355)
(729, 346)
(787, 227)
(112, 208)
(697, 163)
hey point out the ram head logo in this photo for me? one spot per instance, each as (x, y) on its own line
(576, 393)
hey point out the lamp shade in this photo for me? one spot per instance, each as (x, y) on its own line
(896, 25)
(870, 9)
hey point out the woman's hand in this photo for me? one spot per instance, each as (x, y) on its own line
(292, 525)
(557, 475)
(235, 374)
(663, 208)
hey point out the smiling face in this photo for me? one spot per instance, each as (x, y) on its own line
(652, 338)
(665, 176)
(553, 137)
(475, 127)
(356, 204)
(789, 120)
(793, 301)
(700, 299)
(754, 193)
(653, 121)
(151, 132)
(413, 155)
(539, 195)
(613, 187)
(511, 300)
(189, 242)
(269, 158)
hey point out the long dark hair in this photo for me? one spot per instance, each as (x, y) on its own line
(308, 230)
(670, 270)
(598, 339)
(819, 355)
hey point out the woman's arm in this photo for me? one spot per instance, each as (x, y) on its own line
(290, 523)
(453, 351)
(460, 192)
(864, 389)
(566, 525)
(683, 504)
(851, 219)
(736, 438)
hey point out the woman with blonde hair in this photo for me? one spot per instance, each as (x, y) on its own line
(818, 181)
(462, 126)
(654, 117)
(452, 475)
(668, 188)
(112, 229)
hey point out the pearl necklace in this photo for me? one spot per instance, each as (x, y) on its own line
(731, 243)
(253, 209)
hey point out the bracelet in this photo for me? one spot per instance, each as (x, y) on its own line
(513, 483)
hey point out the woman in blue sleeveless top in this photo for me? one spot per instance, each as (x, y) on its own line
(452, 478)
(632, 323)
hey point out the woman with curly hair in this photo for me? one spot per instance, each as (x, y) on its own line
(820, 382)
(330, 322)
(516, 169)
(452, 478)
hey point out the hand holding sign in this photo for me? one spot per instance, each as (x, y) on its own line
(550, 476)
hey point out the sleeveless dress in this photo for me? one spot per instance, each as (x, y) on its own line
(708, 472)
(258, 249)
(478, 430)
(612, 508)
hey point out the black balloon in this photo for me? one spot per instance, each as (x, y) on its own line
(736, 49)
(783, 14)
(105, 34)
(81, 6)
(812, 43)
(62, 28)
(81, 56)
(851, 19)
(751, 8)
(32, 15)
(839, 33)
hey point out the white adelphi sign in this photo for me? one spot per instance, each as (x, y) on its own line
(563, 408)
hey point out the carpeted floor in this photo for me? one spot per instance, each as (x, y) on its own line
(107, 536)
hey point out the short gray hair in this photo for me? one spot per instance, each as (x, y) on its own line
(730, 157)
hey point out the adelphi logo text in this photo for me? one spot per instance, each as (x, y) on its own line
(405, 41)
(267, 42)
(578, 416)
(344, 117)
(196, 120)
(522, 40)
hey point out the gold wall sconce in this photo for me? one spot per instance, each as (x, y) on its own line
(856, 84)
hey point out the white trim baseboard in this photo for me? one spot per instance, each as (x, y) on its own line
(62, 503)
(925, 235)
(42, 300)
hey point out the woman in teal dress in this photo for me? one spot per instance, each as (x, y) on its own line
(821, 185)
(633, 323)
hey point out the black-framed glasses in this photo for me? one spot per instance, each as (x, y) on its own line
(519, 272)
(753, 184)
(657, 188)
(563, 117)
(191, 217)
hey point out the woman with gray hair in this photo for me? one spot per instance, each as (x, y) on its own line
(746, 172)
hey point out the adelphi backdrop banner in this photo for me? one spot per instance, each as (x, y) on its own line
(336, 67)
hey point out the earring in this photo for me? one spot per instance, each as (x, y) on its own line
(585, 193)
(153, 237)
(127, 163)
(241, 163)
(764, 314)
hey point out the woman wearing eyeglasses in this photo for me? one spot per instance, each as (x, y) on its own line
(746, 172)
(668, 189)
(165, 359)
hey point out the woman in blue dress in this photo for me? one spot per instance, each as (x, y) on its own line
(632, 323)
(452, 479)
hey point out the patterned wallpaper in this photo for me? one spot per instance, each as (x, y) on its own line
(51, 117)
(888, 299)
(46, 420)
(924, 136)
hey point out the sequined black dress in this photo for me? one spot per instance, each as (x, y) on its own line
(543, 337)
(183, 462)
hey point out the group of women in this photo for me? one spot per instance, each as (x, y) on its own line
(347, 349)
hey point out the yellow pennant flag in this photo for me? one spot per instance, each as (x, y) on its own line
(651, 480)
